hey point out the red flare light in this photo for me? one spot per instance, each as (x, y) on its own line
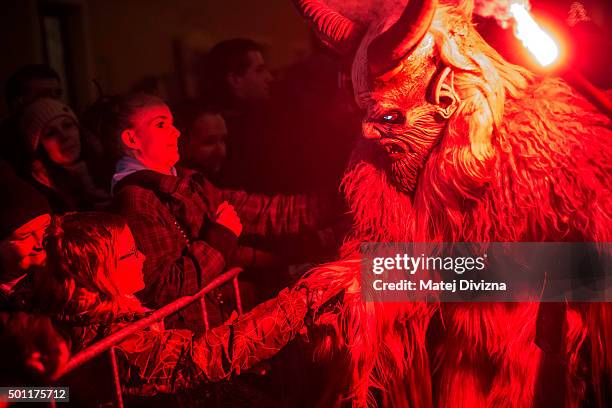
(539, 43)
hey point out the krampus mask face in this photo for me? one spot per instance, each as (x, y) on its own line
(407, 94)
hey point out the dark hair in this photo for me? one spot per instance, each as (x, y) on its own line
(110, 115)
(227, 57)
(17, 83)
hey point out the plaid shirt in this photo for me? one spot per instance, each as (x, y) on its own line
(167, 217)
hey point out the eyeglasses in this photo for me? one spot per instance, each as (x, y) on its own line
(134, 252)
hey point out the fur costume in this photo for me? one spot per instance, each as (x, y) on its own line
(460, 146)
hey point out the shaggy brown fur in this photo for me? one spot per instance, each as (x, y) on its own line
(521, 159)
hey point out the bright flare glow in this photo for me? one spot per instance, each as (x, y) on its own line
(537, 41)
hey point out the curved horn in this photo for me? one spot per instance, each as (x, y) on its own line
(335, 30)
(389, 48)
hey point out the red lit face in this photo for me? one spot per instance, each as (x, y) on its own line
(61, 140)
(128, 276)
(23, 248)
(206, 148)
(405, 125)
(155, 141)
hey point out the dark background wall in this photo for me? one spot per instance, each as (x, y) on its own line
(122, 42)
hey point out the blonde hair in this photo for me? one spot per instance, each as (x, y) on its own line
(81, 258)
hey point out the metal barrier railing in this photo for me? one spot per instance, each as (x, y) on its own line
(109, 343)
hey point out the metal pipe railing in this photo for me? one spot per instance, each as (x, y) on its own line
(116, 377)
(109, 342)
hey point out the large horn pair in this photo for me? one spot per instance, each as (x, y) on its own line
(388, 49)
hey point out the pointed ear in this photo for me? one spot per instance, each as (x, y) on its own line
(128, 137)
(442, 93)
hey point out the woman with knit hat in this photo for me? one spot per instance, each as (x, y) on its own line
(54, 146)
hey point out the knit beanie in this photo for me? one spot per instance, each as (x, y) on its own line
(36, 116)
(20, 202)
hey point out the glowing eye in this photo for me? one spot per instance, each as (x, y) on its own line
(393, 117)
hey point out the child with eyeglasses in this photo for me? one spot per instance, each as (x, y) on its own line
(95, 268)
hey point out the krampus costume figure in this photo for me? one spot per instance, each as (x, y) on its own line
(459, 145)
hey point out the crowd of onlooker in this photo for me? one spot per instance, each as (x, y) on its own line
(133, 203)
